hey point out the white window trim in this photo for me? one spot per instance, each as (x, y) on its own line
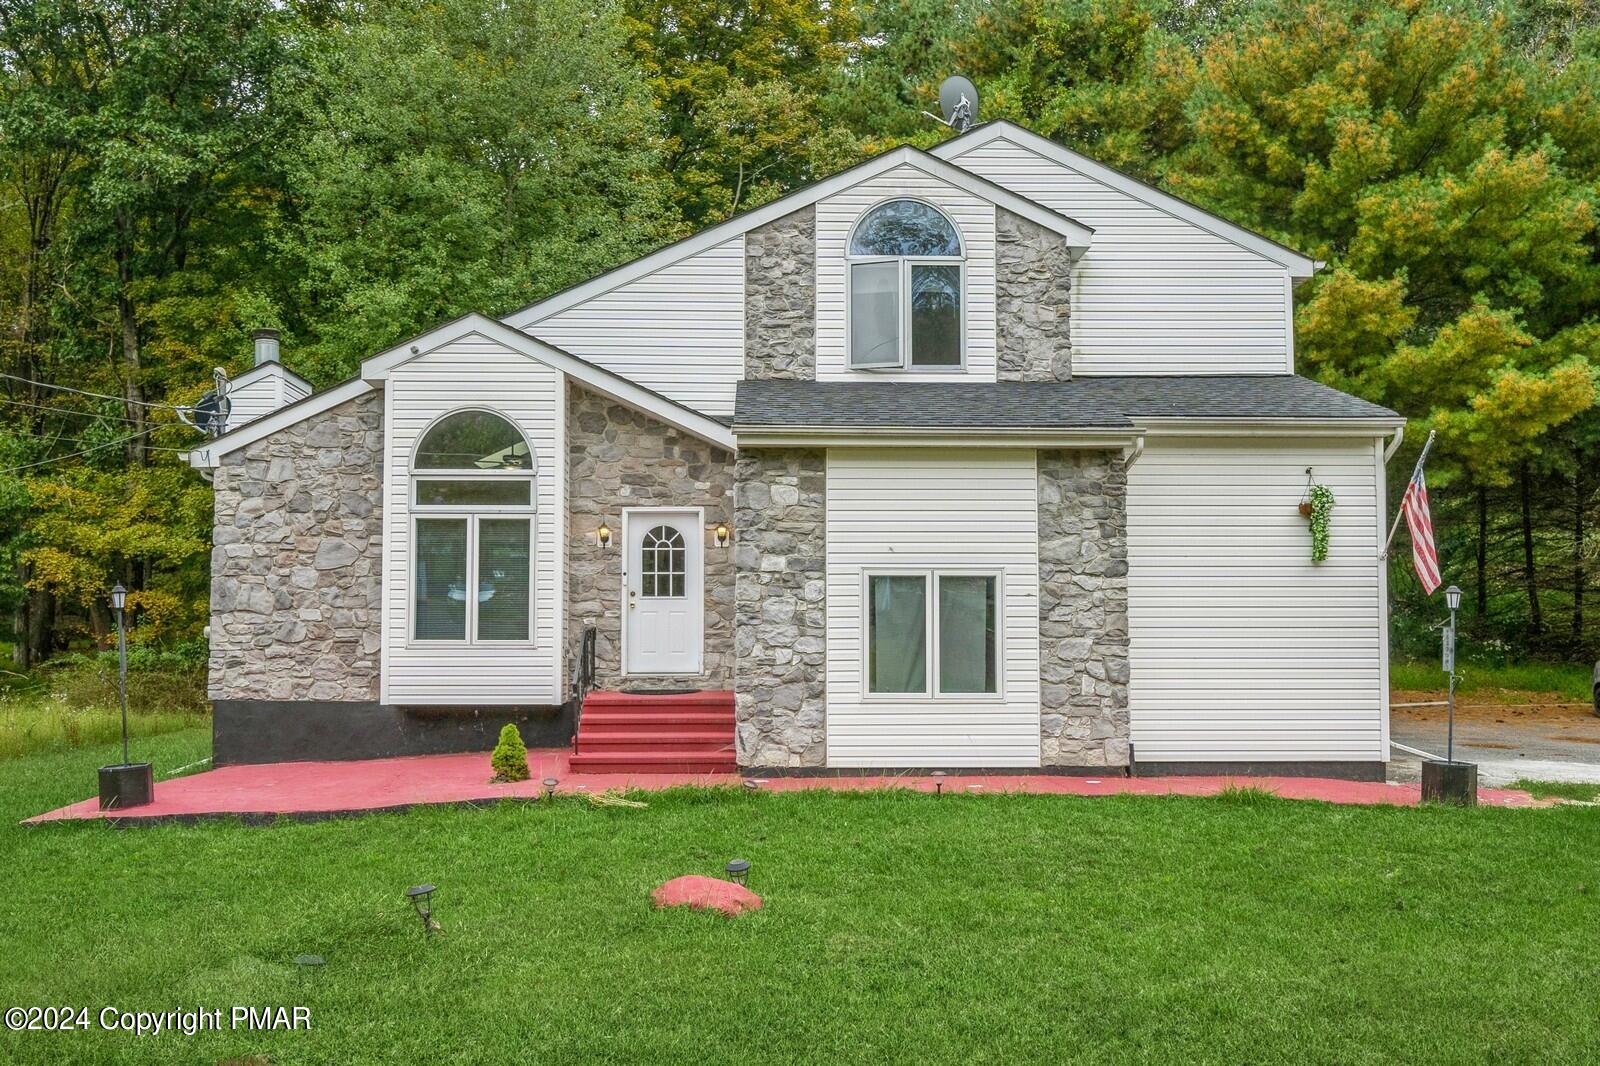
(930, 689)
(526, 476)
(473, 514)
(905, 365)
(473, 518)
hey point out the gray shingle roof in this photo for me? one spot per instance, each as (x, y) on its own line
(1108, 402)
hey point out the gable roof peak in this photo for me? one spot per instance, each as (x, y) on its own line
(1299, 265)
(1076, 234)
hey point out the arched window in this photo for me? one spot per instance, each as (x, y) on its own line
(905, 289)
(664, 564)
(472, 531)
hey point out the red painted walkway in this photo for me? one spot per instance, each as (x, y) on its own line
(325, 788)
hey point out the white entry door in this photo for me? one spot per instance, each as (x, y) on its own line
(663, 612)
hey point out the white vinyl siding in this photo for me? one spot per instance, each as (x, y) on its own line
(972, 216)
(951, 511)
(261, 391)
(678, 330)
(478, 373)
(1154, 294)
(1242, 649)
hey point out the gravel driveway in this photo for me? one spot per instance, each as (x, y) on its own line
(1544, 739)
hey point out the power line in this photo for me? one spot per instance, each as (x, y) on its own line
(82, 392)
(71, 411)
(74, 455)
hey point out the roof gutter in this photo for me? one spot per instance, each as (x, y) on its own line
(1273, 427)
(751, 435)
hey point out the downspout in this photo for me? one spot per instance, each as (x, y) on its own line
(1394, 445)
(1131, 454)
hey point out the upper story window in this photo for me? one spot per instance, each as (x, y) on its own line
(472, 531)
(906, 279)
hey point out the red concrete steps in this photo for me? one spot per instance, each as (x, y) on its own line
(626, 733)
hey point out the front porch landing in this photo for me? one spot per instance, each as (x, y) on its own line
(262, 792)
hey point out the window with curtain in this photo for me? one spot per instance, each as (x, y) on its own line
(473, 531)
(951, 620)
(905, 281)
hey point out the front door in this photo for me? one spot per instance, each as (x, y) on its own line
(663, 612)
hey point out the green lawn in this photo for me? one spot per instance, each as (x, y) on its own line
(1571, 790)
(898, 928)
(1573, 681)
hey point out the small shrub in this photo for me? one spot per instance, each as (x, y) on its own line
(510, 758)
(1246, 795)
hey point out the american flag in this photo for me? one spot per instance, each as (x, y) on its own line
(1424, 556)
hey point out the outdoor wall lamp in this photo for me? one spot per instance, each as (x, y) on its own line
(604, 533)
(421, 897)
(722, 534)
(739, 870)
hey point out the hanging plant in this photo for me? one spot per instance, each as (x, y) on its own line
(1319, 501)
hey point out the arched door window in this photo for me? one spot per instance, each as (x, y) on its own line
(472, 531)
(906, 282)
(663, 563)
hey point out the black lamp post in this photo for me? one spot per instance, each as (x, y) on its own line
(127, 784)
(1450, 781)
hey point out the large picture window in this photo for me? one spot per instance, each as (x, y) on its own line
(472, 534)
(933, 633)
(905, 281)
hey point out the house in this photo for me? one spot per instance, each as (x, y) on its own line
(988, 456)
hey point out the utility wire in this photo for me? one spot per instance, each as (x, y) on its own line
(72, 411)
(74, 455)
(82, 392)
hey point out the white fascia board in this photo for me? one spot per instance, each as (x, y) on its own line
(209, 454)
(1271, 427)
(924, 437)
(1299, 266)
(1077, 235)
(376, 370)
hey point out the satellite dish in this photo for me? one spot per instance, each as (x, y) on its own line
(958, 99)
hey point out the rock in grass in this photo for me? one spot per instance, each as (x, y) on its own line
(706, 893)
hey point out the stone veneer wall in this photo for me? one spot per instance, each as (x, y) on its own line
(780, 298)
(618, 457)
(1033, 287)
(296, 561)
(1083, 608)
(780, 622)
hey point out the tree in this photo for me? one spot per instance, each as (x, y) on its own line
(737, 86)
(154, 111)
(460, 155)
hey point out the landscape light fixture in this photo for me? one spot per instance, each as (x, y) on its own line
(739, 870)
(722, 534)
(550, 784)
(938, 782)
(421, 897)
(1452, 597)
(751, 784)
(604, 535)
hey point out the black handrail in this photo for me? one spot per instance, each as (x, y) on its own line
(582, 672)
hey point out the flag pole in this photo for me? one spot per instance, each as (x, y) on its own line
(1401, 510)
